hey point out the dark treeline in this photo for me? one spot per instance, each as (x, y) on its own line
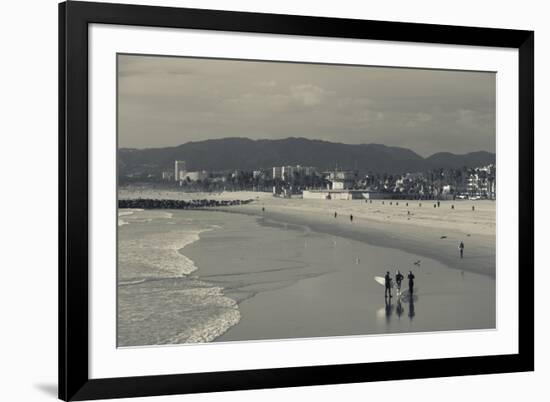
(177, 204)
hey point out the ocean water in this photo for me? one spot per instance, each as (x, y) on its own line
(159, 300)
(191, 276)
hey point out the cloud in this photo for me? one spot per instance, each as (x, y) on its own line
(307, 94)
(418, 119)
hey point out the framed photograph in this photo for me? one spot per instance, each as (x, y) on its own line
(257, 200)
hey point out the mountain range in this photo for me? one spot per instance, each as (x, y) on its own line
(246, 154)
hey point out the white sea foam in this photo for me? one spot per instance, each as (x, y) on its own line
(220, 314)
(173, 311)
(129, 211)
(135, 282)
(157, 255)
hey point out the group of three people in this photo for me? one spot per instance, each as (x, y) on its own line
(398, 279)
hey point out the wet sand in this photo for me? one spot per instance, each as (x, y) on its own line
(430, 232)
(292, 281)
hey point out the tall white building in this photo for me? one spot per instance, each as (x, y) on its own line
(179, 170)
(277, 172)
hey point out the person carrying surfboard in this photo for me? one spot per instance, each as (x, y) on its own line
(388, 284)
(398, 278)
(410, 277)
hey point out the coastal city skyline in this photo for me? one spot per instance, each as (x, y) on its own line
(168, 101)
(343, 172)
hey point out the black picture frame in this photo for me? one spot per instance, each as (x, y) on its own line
(74, 18)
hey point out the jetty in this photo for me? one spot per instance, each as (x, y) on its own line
(178, 204)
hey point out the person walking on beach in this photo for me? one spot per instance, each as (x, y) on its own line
(410, 277)
(398, 279)
(335, 214)
(387, 279)
(461, 249)
(351, 218)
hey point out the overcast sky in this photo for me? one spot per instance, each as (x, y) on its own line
(167, 101)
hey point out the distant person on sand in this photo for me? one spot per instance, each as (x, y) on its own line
(461, 249)
(351, 218)
(398, 279)
(410, 277)
(387, 279)
(335, 214)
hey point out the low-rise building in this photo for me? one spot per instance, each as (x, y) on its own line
(167, 176)
(344, 195)
(194, 176)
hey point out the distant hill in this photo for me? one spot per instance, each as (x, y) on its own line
(247, 154)
(449, 160)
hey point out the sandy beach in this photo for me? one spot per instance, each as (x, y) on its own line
(418, 227)
(294, 270)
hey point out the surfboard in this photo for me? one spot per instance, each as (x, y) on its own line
(381, 280)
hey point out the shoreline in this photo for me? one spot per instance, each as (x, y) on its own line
(479, 256)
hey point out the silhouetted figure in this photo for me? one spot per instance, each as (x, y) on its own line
(387, 282)
(473, 208)
(461, 249)
(452, 207)
(396, 203)
(351, 218)
(398, 279)
(410, 277)
(335, 214)
(263, 209)
(438, 204)
(407, 204)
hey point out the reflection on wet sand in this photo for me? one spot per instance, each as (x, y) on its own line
(399, 309)
(389, 308)
(411, 307)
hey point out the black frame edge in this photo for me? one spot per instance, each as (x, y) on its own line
(74, 383)
(293, 377)
(239, 21)
(73, 192)
(62, 334)
(526, 260)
